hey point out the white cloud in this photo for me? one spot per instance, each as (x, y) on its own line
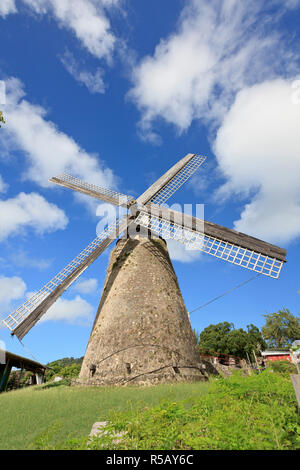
(221, 66)
(180, 252)
(258, 151)
(218, 48)
(200, 181)
(115, 3)
(87, 19)
(86, 286)
(29, 211)
(23, 259)
(48, 150)
(93, 81)
(11, 288)
(291, 3)
(7, 7)
(75, 311)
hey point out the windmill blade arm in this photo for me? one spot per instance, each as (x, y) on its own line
(27, 315)
(217, 231)
(173, 179)
(224, 243)
(93, 190)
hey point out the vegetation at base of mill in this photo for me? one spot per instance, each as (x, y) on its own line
(282, 367)
(67, 368)
(258, 412)
(30, 412)
(254, 412)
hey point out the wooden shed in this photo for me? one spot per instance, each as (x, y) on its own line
(276, 355)
(9, 360)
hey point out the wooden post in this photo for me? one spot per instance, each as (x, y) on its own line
(248, 359)
(295, 378)
(39, 378)
(5, 377)
(2, 369)
(20, 376)
(248, 362)
(256, 360)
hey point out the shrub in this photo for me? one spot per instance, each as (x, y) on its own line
(257, 412)
(283, 367)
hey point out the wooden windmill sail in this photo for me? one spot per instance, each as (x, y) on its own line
(146, 212)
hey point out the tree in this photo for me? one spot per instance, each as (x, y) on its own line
(255, 339)
(67, 367)
(212, 337)
(1, 118)
(235, 343)
(281, 329)
(223, 338)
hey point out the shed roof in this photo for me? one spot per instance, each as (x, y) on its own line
(275, 353)
(21, 362)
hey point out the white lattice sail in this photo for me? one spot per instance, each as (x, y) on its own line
(227, 251)
(104, 194)
(172, 180)
(31, 310)
(178, 180)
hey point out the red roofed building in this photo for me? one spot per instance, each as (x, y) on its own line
(277, 355)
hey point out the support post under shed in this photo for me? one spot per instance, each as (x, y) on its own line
(19, 362)
(295, 378)
(4, 375)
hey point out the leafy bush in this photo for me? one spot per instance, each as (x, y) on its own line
(68, 367)
(257, 412)
(70, 372)
(283, 367)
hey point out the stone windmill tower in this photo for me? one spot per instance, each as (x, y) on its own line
(142, 333)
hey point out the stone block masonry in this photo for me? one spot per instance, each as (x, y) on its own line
(141, 334)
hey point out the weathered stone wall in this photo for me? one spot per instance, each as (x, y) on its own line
(141, 333)
(213, 367)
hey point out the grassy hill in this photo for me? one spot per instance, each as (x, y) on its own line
(65, 361)
(29, 412)
(66, 367)
(253, 412)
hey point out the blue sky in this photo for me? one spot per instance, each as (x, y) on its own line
(115, 92)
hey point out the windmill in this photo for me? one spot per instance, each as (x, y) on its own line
(142, 332)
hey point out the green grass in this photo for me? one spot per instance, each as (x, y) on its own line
(257, 412)
(71, 411)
